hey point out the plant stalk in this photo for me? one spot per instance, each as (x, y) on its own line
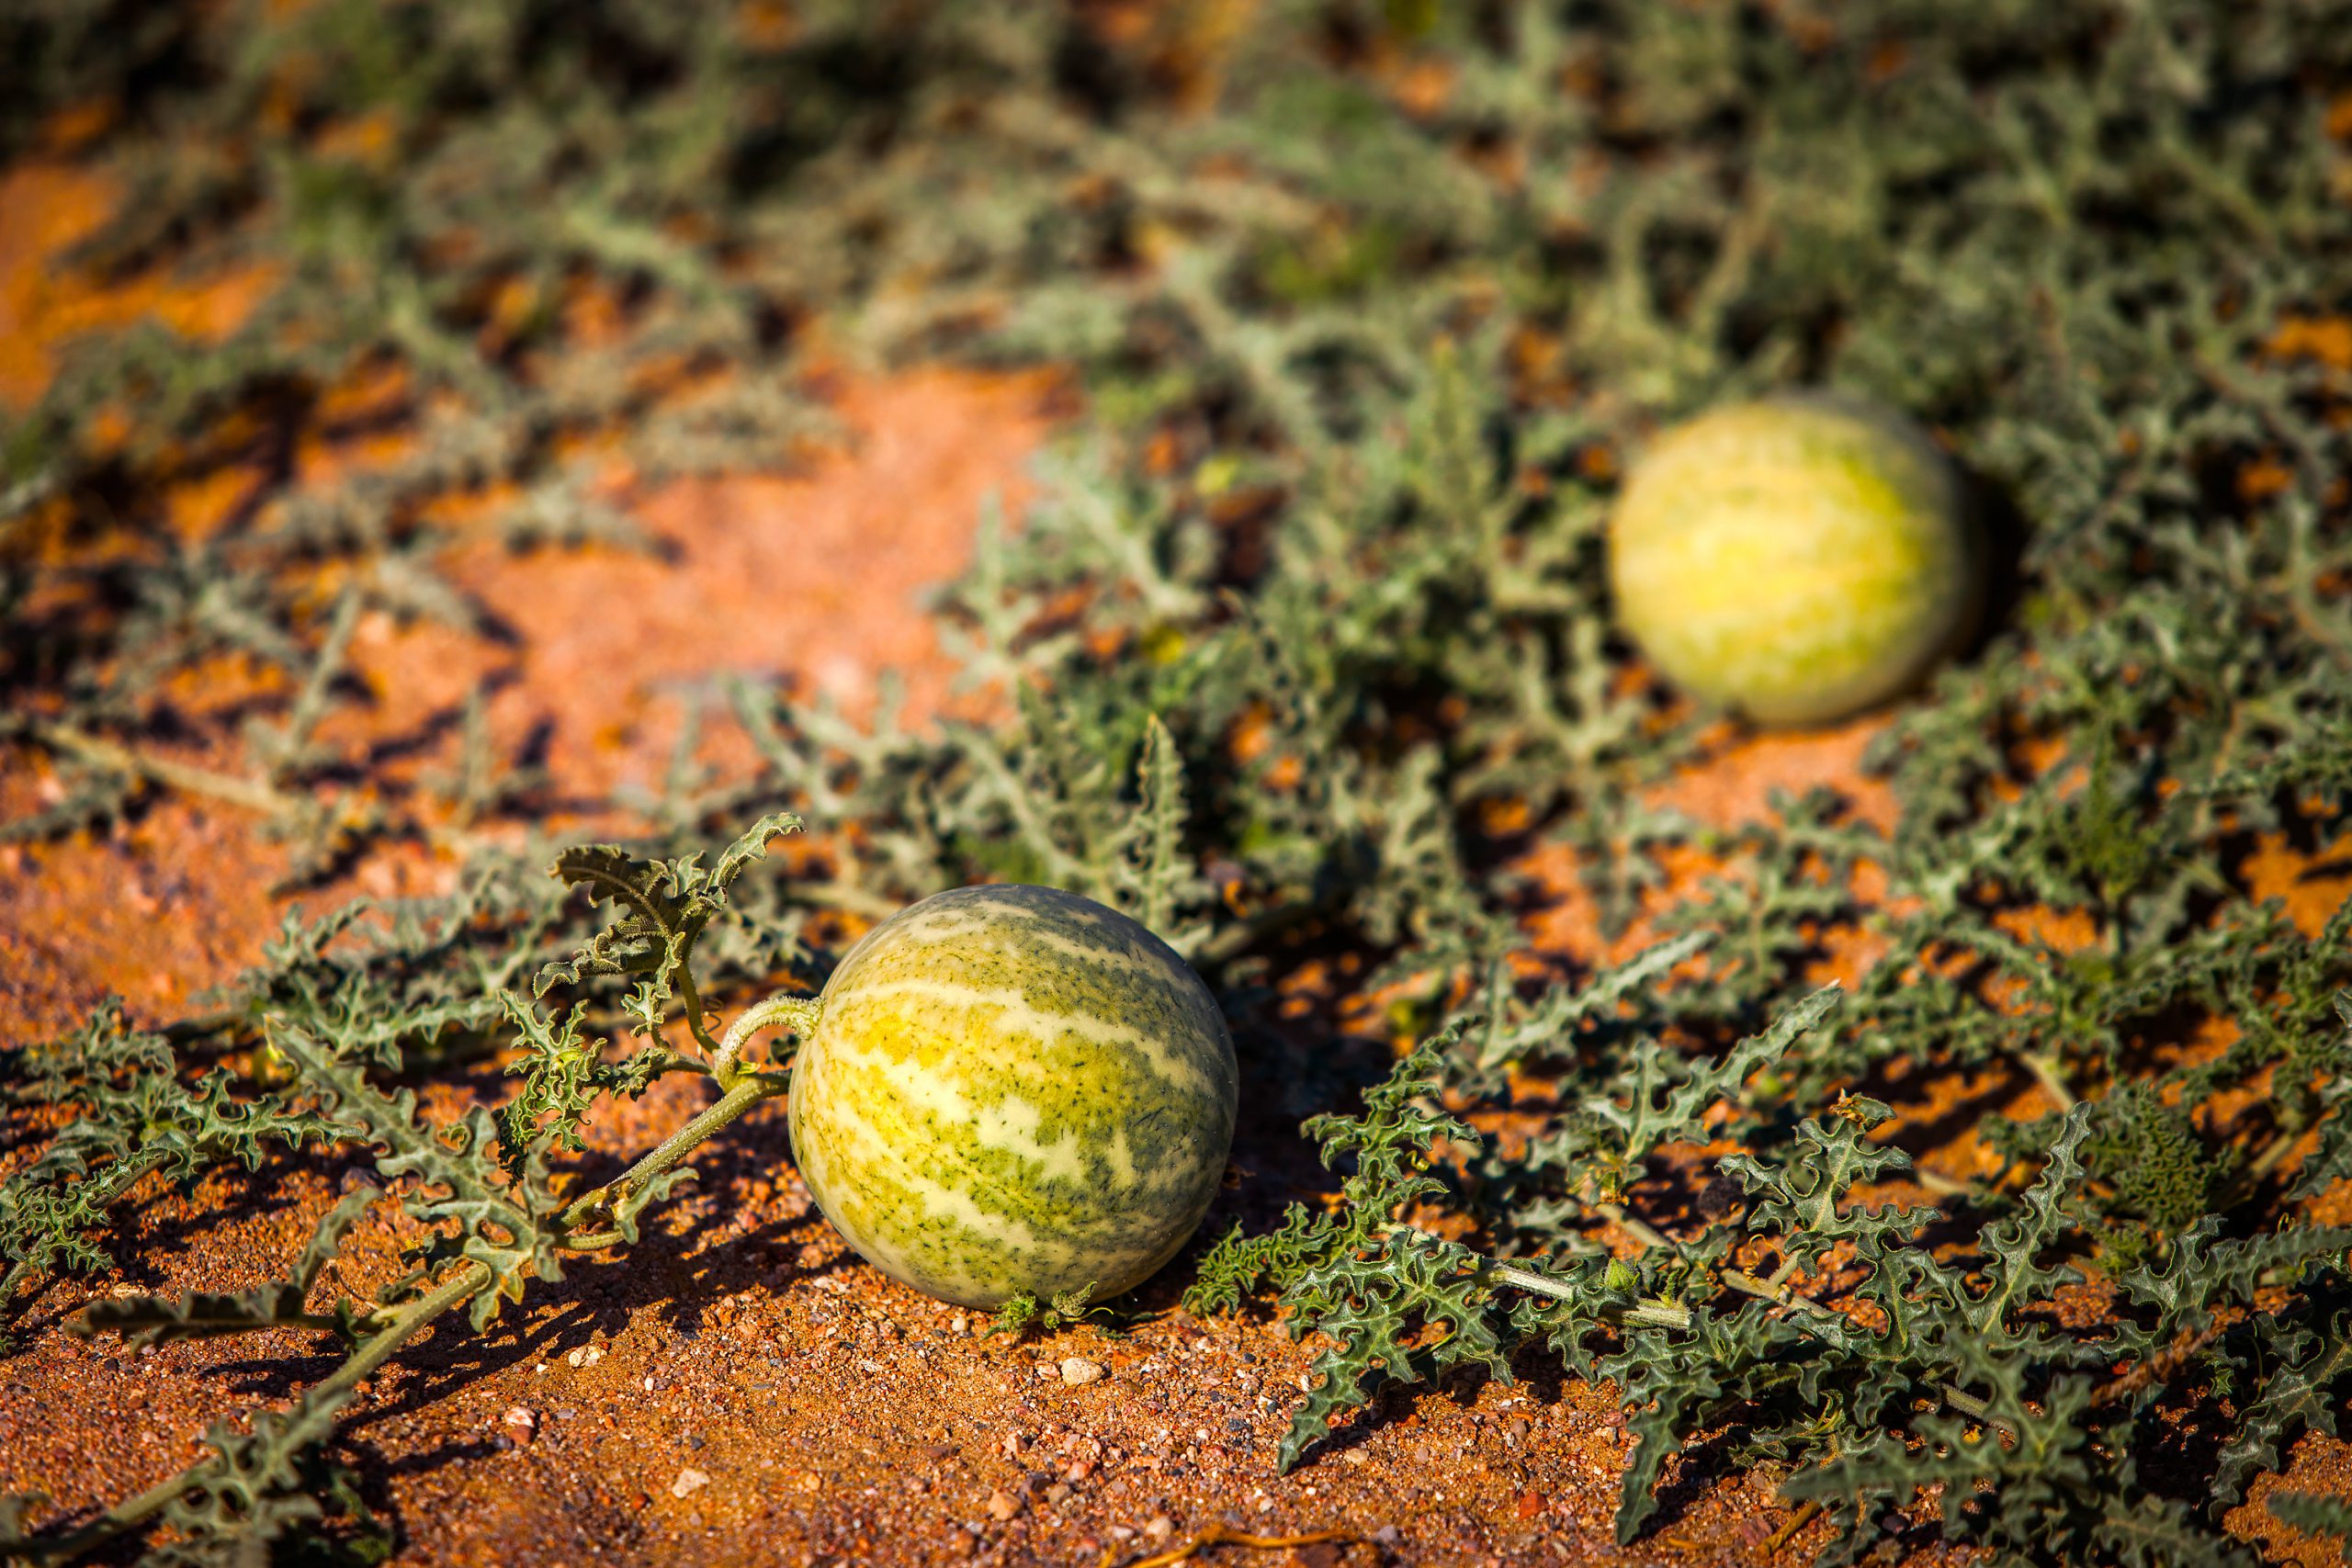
(747, 1093)
(316, 1410)
(797, 1013)
(253, 795)
(2044, 1068)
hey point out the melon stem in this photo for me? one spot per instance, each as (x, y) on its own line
(795, 1013)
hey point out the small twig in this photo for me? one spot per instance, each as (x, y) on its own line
(2044, 1068)
(2275, 1152)
(253, 795)
(1633, 1224)
(1806, 1512)
(1944, 1185)
(1223, 1535)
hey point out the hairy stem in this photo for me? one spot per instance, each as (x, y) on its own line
(1633, 1224)
(746, 1092)
(313, 1417)
(1944, 1186)
(795, 1013)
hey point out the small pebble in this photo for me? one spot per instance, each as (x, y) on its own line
(1002, 1505)
(1077, 1369)
(586, 1355)
(960, 1324)
(688, 1483)
(1160, 1528)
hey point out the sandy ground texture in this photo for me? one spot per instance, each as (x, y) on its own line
(740, 1387)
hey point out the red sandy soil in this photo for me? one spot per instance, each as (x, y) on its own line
(740, 1387)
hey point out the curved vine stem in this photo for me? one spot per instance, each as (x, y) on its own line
(795, 1013)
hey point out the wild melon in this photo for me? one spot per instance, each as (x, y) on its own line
(1796, 560)
(1011, 1089)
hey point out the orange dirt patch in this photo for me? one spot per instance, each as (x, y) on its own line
(814, 581)
(44, 210)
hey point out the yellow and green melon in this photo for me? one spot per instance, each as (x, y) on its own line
(1796, 560)
(1012, 1089)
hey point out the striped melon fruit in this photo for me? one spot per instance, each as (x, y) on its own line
(1797, 560)
(1013, 1088)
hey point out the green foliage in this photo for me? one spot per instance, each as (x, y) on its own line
(1023, 1315)
(477, 1187)
(140, 1116)
(1307, 642)
(665, 906)
(154, 1320)
(2314, 1513)
(1398, 1304)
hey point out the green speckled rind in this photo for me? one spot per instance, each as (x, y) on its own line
(1798, 559)
(1014, 1088)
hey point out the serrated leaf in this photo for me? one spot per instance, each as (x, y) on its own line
(197, 1315)
(2300, 1395)
(2314, 1513)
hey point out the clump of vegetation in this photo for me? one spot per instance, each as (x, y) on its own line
(1021, 1313)
(1318, 594)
